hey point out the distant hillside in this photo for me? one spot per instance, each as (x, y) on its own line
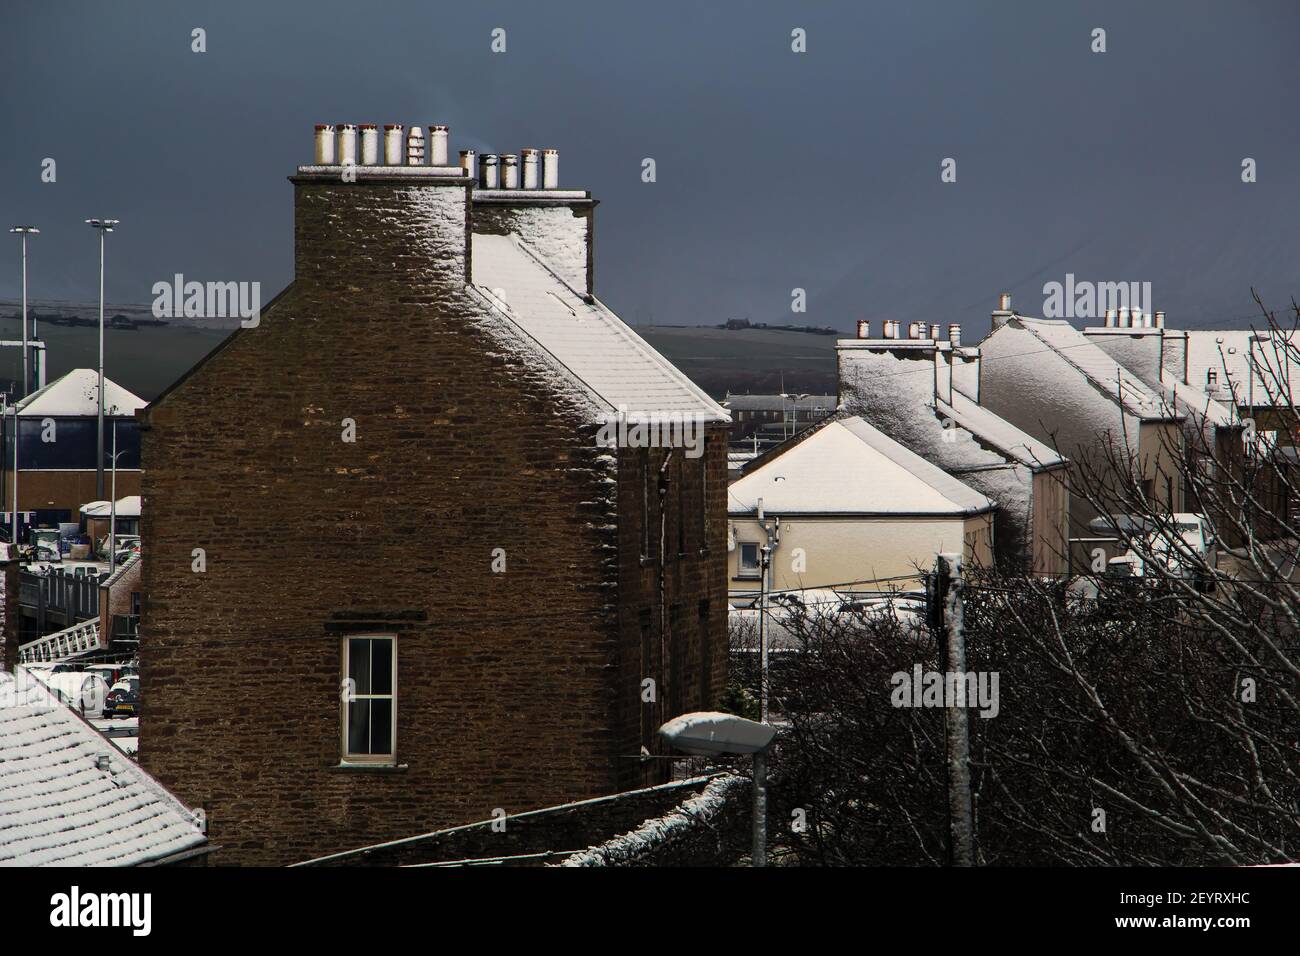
(748, 360)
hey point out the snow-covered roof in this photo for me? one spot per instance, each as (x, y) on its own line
(1190, 400)
(128, 507)
(992, 429)
(1107, 375)
(74, 394)
(57, 808)
(602, 356)
(849, 467)
(1259, 365)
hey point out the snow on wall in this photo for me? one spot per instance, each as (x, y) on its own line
(894, 391)
(694, 820)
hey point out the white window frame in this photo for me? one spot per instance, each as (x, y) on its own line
(742, 571)
(346, 696)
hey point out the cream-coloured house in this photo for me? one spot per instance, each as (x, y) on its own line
(847, 507)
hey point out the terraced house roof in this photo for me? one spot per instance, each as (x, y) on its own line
(58, 808)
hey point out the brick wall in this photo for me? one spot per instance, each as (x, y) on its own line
(511, 687)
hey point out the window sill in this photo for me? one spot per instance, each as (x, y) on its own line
(369, 767)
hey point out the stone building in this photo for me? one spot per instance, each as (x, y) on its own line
(414, 555)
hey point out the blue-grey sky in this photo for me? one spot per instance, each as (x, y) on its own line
(775, 169)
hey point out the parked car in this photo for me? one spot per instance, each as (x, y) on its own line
(1183, 545)
(123, 699)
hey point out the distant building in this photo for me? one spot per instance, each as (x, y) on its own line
(856, 510)
(923, 391)
(57, 448)
(400, 529)
(775, 417)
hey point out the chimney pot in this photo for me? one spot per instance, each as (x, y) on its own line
(324, 144)
(509, 171)
(954, 333)
(864, 328)
(415, 147)
(934, 331)
(369, 144)
(550, 169)
(468, 163)
(489, 171)
(1004, 302)
(347, 145)
(529, 162)
(393, 144)
(437, 146)
(1160, 320)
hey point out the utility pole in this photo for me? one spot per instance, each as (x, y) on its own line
(773, 536)
(25, 231)
(947, 609)
(112, 510)
(104, 226)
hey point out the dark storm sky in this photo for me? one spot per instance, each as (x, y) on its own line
(775, 169)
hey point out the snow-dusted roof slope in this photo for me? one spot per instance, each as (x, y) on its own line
(75, 393)
(1100, 369)
(58, 809)
(998, 432)
(611, 363)
(1190, 400)
(849, 467)
(1260, 365)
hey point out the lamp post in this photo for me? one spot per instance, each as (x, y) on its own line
(104, 226)
(25, 231)
(709, 732)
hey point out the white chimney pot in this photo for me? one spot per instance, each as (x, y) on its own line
(489, 171)
(550, 169)
(437, 146)
(393, 144)
(324, 144)
(347, 145)
(415, 147)
(532, 178)
(509, 171)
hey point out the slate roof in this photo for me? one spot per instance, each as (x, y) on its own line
(848, 467)
(1260, 365)
(602, 357)
(1106, 374)
(58, 809)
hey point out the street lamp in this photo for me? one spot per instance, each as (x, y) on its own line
(25, 231)
(712, 733)
(104, 226)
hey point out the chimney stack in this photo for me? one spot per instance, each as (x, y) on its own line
(415, 147)
(529, 162)
(550, 169)
(437, 146)
(369, 144)
(347, 145)
(468, 164)
(509, 171)
(954, 334)
(864, 328)
(1003, 311)
(393, 144)
(489, 171)
(324, 144)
